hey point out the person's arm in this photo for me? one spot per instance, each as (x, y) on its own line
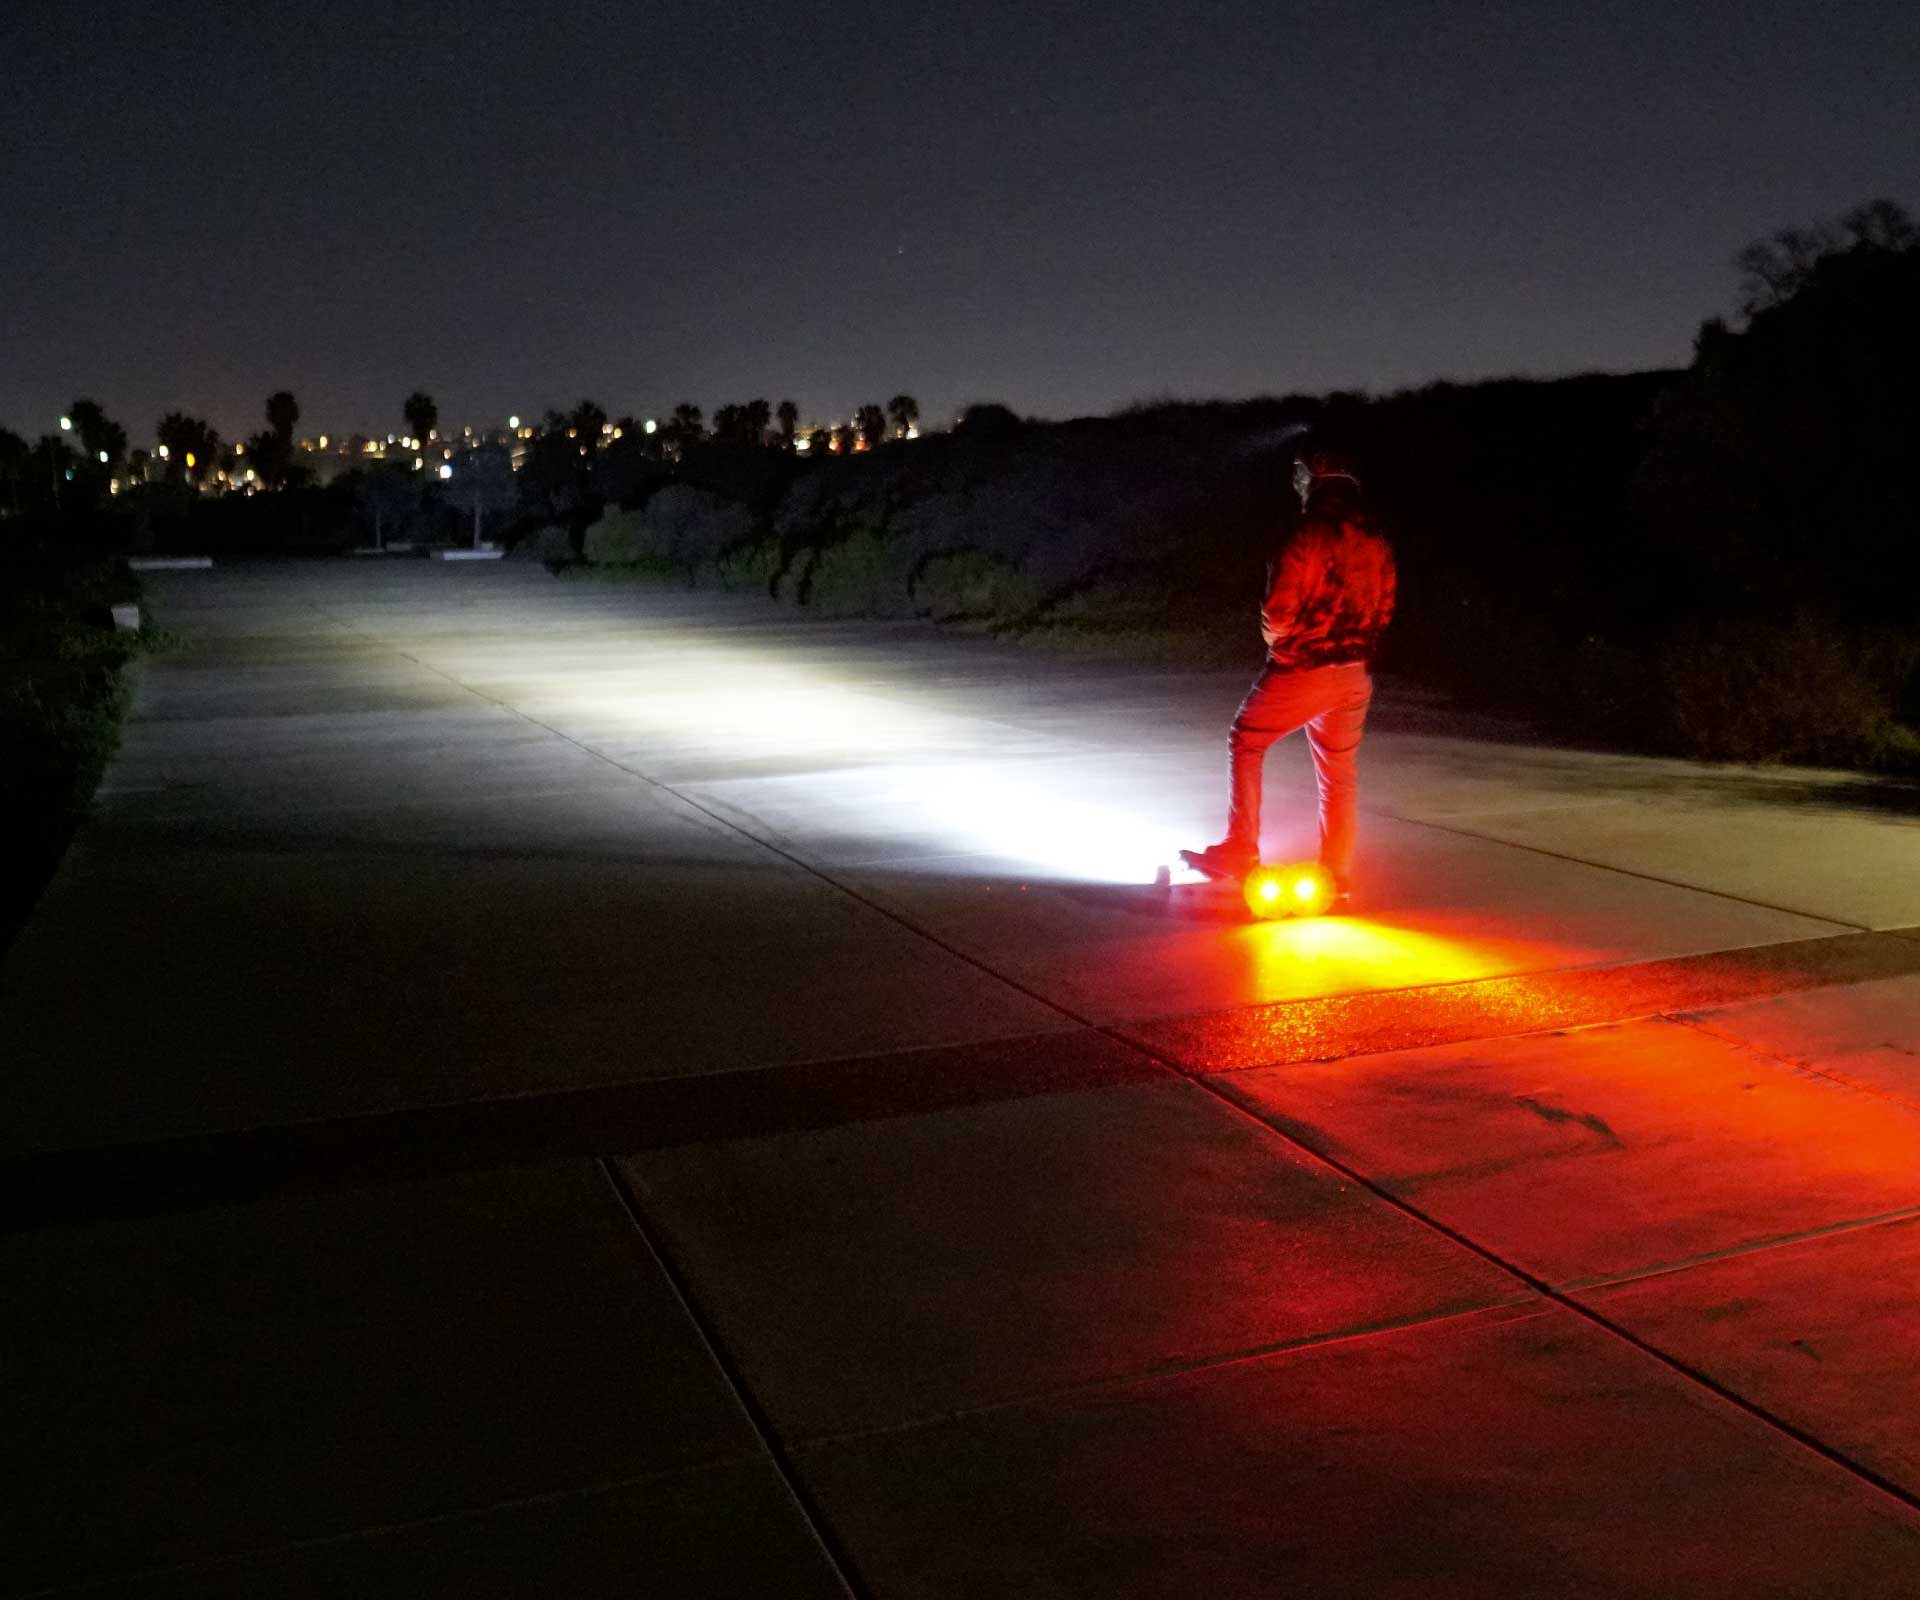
(1286, 592)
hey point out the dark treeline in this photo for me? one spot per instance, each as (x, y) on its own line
(1721, 560)
(1718, 560)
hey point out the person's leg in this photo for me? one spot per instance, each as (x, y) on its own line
(1334, 736)
(1270, 712)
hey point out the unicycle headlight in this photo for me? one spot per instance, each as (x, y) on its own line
(1300, 890)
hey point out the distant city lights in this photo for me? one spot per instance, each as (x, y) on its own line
(514, 422)
(446, 470)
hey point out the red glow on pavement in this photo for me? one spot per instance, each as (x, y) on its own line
(1353, 953)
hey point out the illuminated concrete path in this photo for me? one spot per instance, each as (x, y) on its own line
(534, 1087)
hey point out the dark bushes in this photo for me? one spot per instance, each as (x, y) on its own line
(63, 691)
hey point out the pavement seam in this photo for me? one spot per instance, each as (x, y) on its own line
(832, 1547)
(1515, 1308)
(116, 1582)
(1626, 872)
(1799, 1064)
(1782, 1241)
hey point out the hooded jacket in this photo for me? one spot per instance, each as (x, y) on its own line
(1330, 587)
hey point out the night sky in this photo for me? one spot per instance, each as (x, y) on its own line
(1063, 208)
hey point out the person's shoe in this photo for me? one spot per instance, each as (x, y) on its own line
(1223, 860)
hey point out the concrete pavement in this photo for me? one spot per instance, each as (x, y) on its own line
(534, 1087)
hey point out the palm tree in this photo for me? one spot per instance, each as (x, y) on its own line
(904, 412)
(283, 411)
(872, 423)
(820, 442)
(421, 414)
(789, 416)
(755, 416)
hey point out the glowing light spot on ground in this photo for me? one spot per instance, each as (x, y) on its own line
(1056, 836)
(1350, 954)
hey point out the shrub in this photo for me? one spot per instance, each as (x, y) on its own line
(680, 527)
(63, 691)
(1804, 690)
(550, 542)
(863, 574)
(968, 585)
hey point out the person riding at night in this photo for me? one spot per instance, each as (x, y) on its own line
(1330, 593)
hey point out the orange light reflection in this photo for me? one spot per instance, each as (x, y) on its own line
(1346, 954)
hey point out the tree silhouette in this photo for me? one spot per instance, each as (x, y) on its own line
(283, 411)
(820, 442)
(587, 419)
(16, 457)
(789, 417)
(184, 436)
(483, 483)
(270, 454)
(988, 419)
(872, 423)
(421, 413)
(388, 492)
(755, 418)
(1774, 270)
(553, 465)
(1779, 472)
(99, 434)
(844, 438)
(685, 428)
(903, 411)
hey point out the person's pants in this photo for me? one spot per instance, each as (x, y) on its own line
(1331, 704)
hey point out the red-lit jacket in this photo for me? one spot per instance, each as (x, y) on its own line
(1330, 590)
